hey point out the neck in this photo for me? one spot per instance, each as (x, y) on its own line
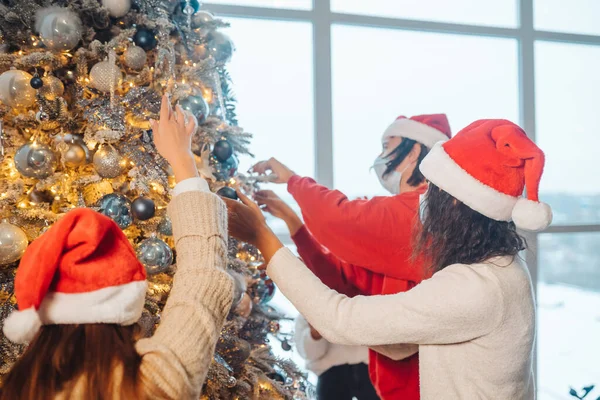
(404, 186)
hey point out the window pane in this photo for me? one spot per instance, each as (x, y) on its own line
(568, 313)
(291, 4)
(465, 77)
(474, 12)
(574, 16)
(273, 83)
(567, 129)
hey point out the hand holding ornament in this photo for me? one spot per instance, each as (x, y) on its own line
(271, 203)
(279, 172)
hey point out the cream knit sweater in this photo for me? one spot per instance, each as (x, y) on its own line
(176, 359)
(474, 324)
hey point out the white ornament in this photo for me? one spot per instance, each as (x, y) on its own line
(105, 76)
(15, 89)
(135, 57)
(59, 28)
(117, 8)
(13, 242)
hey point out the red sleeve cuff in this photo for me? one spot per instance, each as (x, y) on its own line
(295, 181)
(301, 236)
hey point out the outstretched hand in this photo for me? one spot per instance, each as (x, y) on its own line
(173, 138)
(272, 203)
(279, 172)
(247, 223)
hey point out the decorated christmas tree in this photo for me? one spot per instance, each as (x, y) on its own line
(79, 81)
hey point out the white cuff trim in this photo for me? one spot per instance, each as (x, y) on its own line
(196, 184)
(414, 130)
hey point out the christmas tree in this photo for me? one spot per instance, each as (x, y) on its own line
(79, 81)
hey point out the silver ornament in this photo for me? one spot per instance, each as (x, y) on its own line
(78, 139)
(117, 8)
(74, 156)
(15, 89)
(143, 208)
(188, 10)
(155, 255)
(60, 29)
(13, 242)
(42, 116)
(201, 19)
(53, 87)
(197, 106)
(105, 76)
(118, 208)
(135, 57)
(35, 160)
(220, 47)
(165, 227)
(108, 162)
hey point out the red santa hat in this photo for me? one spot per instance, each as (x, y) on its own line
(425, 129)
(83, 270)
(486, 166)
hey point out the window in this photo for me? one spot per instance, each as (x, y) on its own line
(574, 16)
(568, 313)
(410, 73)
(567, 129)
(273, 84)
(496, 13)
(292, 4)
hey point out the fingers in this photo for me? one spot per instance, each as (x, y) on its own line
(180, 115)
(165, 108)
(192, 123)
(247, 201)
(154, 127)
(265, 193)
(261, 167)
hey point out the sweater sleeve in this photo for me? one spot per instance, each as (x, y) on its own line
(176, 358)
(339, 224)
(338, 275)
(456, 305)
(310, 349)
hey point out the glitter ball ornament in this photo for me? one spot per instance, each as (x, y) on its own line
(220, 46)
(108, 162)
(15, 88)
(165, 227)
(118, 208)
(135, 57)
(143, 208)
(201, 19)
(35, 160)
(52, 88)
(222, 150)
(117, 8)
(197, 106)
(155, 254)
(36, 82)
(13, 242)
(60, 29)
(74, 156)
(105, 76)
(93, 192)
(227, 192)
(145, 39)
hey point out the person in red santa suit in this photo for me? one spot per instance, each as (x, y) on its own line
(363, 247)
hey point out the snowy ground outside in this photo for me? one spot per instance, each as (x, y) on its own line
(568, 340)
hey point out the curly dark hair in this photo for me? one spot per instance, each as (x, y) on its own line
(398, 155)
(453, 233)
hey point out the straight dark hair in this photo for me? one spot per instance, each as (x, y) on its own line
(398, 155)
(61, 354)
(453, 233)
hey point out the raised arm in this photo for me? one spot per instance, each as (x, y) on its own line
(176, 358)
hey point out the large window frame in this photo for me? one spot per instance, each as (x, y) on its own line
(322, 19)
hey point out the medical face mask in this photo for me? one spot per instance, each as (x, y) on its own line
(390, 182)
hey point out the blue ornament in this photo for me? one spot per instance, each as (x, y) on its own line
(165, 226)
(264, 290)
(118, 208)
(229, 167)
(155, 254)
(220, 47)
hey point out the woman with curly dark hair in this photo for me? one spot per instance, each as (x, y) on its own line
(474, 319)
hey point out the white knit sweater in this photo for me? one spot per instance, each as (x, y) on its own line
(474, 324)
(321, 355)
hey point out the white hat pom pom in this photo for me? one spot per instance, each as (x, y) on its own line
(21, 326)
(531, 215)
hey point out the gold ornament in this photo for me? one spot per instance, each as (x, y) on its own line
(108, 162)
(95, 191)
(74, 156)
(135, 57)
(53, 87)
(105, 76)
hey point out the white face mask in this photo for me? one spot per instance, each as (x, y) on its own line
(390, 182)
(422, 206)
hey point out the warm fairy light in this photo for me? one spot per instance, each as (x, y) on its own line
(56, 197)
(252, 258)
(131, 163)
(123, 162)
(22, 204)
(183, 81)
(53, 190)
(194, 65)
(187, 62)
(20, 52)
(232, 181)
(130, 84)
(3, 195)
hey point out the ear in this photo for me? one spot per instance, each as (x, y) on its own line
(413, 156)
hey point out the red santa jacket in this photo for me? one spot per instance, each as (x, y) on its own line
(375, 234)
